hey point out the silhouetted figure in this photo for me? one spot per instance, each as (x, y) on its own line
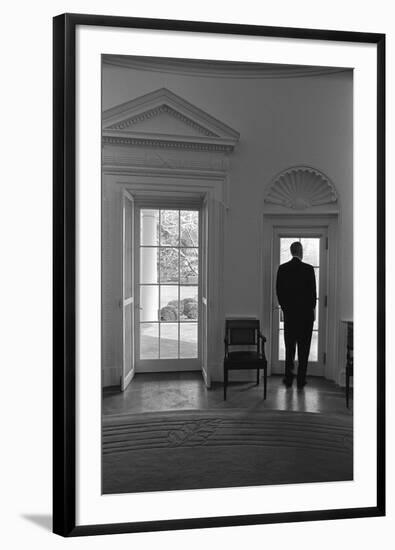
(297, 296)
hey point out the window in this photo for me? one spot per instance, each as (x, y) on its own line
(311, 255)
(169, 283)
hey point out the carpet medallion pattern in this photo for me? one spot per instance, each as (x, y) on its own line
(223, 448)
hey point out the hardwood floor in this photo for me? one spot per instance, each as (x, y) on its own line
(185, 390)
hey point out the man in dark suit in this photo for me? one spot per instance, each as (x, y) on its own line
(297, 296)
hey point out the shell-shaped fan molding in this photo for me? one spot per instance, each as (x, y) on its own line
(300, 188)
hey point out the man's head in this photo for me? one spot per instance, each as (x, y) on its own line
(297, 250)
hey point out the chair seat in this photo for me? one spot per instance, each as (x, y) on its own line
(247, 357)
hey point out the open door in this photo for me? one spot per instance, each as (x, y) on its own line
(127, 303)
(204, 291)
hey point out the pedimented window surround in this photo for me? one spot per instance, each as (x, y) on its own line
(160, 145)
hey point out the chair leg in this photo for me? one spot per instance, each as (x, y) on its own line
(347, 388)
(225, 382)
(257, 377)
(264, 382)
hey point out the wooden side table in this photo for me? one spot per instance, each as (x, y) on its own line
(349, 359)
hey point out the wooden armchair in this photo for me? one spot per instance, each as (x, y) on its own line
(244, 333)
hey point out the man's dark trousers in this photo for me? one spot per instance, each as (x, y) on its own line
(297, 332)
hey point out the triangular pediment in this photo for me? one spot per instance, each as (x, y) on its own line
(162, 117)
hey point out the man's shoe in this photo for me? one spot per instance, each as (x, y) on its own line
(287, 382)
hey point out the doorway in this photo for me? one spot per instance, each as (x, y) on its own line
(168, 289)
(315, 252)
(198, 203)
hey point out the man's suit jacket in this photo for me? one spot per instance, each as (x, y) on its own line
(296, 288)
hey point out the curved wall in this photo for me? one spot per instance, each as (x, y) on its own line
(299, 120)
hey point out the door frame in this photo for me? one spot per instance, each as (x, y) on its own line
(212, 189)
(271, 221)
(318, 232)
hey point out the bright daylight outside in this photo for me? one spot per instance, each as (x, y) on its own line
(311, 255)
(169, 283)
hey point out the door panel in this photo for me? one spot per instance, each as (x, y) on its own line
(128, 364)
(204, 291)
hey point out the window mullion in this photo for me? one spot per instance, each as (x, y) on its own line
(179, 279)
(159, 281)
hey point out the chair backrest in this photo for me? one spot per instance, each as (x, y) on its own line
(242, 332)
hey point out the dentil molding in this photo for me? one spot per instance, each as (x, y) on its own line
(163, 120)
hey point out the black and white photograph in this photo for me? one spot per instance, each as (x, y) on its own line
(227, 274)
(197, 249)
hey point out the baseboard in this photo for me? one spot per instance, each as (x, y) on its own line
(110, 376)
(248, 375)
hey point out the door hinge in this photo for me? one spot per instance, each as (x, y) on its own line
(326, 243)
(324, 358)
(326, 300)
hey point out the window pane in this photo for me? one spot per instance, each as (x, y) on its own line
(189, 221)
(285, 253)
(189, 303)
(168, 265)
(149, 341)
(169, 303)
(314, 347)
(317, 279)
(149, 303)
(169, 340)
(281, 318)
(317, 314)
(169, 227)
(148, 265)
(188, 340)
(189, 265)
(149, 227)
(281, 345)
(311, 251)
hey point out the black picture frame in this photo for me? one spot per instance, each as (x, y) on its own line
(64, 273)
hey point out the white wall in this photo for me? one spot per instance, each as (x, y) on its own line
(282, 122)
(26, 347)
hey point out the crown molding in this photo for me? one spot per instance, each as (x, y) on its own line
(217, 69)
(201, 131)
